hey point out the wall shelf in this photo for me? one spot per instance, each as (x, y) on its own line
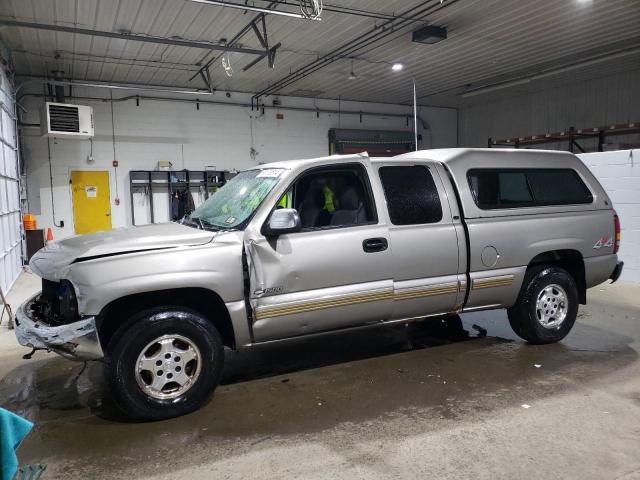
(571, 135)
(149, 182)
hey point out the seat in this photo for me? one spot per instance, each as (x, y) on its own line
(351, 210)
(311, 208)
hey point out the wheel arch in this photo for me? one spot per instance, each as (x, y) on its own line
(570, 260)
(208, 303)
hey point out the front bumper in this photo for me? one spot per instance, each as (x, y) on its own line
(616, 272)
(75, 341)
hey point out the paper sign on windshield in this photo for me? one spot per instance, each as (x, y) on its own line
(269, 173)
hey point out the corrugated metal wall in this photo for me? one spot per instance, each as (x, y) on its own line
(602, 101)
(10, 224)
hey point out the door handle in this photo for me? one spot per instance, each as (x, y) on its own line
(372, 245)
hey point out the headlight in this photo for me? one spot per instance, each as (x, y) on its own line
(67, 302)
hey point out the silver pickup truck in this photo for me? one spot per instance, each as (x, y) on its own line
(308, 247)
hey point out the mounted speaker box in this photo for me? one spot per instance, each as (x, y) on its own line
(429, 34)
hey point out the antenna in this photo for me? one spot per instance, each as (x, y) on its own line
(415, 114)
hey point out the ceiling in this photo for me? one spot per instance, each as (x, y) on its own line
(494, 43)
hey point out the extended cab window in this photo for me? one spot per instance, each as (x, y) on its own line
(411, 193)
(531, 187)
(332, 197)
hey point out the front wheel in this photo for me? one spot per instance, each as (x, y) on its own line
(165, 364)
(547, 306)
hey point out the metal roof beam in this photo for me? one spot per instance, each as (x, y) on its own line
(251, 8)
(375, 34)
(133, 37)
(237, 37)
(270, 55)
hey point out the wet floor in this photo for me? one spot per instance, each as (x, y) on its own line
(338, 391)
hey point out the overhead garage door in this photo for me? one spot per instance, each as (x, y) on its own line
(10, 225)
(619, 173)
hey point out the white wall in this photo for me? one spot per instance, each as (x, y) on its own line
(619, 173)
(603, 101)
(214, 135)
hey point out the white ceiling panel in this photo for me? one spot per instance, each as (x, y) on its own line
(489, 42)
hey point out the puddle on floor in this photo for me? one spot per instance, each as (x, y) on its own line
(434, 369)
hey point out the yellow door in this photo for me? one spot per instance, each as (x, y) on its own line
(91, 201)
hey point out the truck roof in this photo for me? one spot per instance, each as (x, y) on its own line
(308, 162)
(498, 157)
(460, 160)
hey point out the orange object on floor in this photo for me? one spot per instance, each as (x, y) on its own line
(29, 221)
(49, 235)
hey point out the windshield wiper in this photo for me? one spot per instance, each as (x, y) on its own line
(185, 220)
(204, 225)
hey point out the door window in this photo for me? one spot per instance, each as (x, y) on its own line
(411, 193)
(331, 198)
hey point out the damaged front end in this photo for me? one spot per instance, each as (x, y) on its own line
(50, 321)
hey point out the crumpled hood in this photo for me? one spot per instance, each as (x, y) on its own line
(49, 260)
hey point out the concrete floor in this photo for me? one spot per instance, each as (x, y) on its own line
(427, 401)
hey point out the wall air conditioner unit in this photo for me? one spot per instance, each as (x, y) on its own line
(62, 120)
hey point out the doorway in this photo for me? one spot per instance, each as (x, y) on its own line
(91, 201)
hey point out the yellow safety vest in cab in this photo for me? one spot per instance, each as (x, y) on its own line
(330, 200)
(285, 201)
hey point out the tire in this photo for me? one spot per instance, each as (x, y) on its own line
(552, 319)
(172, 346)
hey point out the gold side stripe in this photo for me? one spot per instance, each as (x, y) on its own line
(423, 294)
(310, 306)
(480, 286)
(432, 290)
(491, 285)
(492, 282)
(440, 289)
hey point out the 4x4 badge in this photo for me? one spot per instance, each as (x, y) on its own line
(605, 241)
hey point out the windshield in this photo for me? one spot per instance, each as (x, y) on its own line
(236, 201)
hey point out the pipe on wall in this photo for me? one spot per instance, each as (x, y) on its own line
(197, 101)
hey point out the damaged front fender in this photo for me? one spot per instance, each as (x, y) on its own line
(76, 341)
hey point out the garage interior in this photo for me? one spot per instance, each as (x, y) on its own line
(132, 104)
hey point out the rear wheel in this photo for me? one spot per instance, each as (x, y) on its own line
(165, 364)
(547, 306)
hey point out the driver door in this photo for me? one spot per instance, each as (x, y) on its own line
(335, 272)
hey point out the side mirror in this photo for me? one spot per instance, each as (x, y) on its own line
(283, 220)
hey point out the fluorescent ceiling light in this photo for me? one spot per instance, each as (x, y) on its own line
(586, 63)
(493, 88)
(251, 8)
(117, 86)
(396, 67)
(553, 71)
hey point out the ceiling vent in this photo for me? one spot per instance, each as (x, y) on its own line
(62, 120)
(429, 34)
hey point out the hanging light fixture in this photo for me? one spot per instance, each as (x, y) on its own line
(352, 75)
